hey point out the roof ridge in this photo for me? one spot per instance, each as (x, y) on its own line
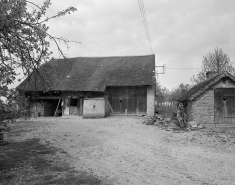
(203, 86)
(94, 74)
(105, 56)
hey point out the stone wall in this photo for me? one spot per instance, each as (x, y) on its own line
(201, 109)
(151, 100)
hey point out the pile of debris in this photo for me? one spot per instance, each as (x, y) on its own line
(192, 125)
(163, 123)
(172, 124)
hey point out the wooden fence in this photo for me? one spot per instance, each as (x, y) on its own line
(166, 108)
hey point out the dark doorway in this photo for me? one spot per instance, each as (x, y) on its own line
(50, 106)
(73, 109)
(73, 102)
(76, 106)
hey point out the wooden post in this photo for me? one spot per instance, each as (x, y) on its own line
(110, 107)
(57, 107)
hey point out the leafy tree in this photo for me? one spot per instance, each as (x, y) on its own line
(24, 41)
(177, 92)
(216, 61)
(162, 93)
(23, 34)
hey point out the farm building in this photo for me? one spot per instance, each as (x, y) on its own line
(212, 101)
(92, 87)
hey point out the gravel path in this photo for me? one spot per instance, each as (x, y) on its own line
(122, 150)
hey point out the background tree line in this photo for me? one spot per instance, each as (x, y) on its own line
(216, 61)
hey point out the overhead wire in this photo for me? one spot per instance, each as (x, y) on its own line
(145, 23)
(181, 68)
(141, 4)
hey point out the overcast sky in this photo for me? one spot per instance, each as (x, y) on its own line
(182, 31)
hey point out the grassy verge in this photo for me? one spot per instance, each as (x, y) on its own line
(30, 162)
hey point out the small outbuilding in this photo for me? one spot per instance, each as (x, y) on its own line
(211, 101)
(92, 87)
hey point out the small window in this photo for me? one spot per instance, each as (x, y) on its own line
(73, 102)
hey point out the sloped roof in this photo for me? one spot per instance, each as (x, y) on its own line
(92, 73)
(198, 89)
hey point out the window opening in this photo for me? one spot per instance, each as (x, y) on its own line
(73, 101)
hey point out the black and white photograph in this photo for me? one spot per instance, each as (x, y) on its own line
(117, 92)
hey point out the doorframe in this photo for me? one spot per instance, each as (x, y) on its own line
(223, 95)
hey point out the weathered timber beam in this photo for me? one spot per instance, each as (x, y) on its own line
(47, 97)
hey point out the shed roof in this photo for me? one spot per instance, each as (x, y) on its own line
(92, 73)
(198, 89)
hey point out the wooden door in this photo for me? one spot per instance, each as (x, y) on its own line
(141, 101)
(128, 100)
(131, 101)
(118, 100)
(224, 106)
(73, 108)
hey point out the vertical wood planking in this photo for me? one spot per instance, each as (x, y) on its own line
(225, 106)
(128, 100)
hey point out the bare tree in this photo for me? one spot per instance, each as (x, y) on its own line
(216, 61)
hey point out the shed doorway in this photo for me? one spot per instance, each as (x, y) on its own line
(76, 106)
(224, 106)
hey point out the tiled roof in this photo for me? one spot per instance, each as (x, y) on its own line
(198, 89)
(92, 73)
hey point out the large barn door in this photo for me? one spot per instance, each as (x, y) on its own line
(131, 100)
(118, 100)
(141, 101)
(128, 100)
(225, 106)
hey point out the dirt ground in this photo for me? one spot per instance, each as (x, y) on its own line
(123, 150)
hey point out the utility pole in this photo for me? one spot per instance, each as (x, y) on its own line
(162, 70)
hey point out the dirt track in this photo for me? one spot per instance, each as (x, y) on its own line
(122, 150)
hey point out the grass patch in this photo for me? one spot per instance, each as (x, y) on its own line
(30, 162)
